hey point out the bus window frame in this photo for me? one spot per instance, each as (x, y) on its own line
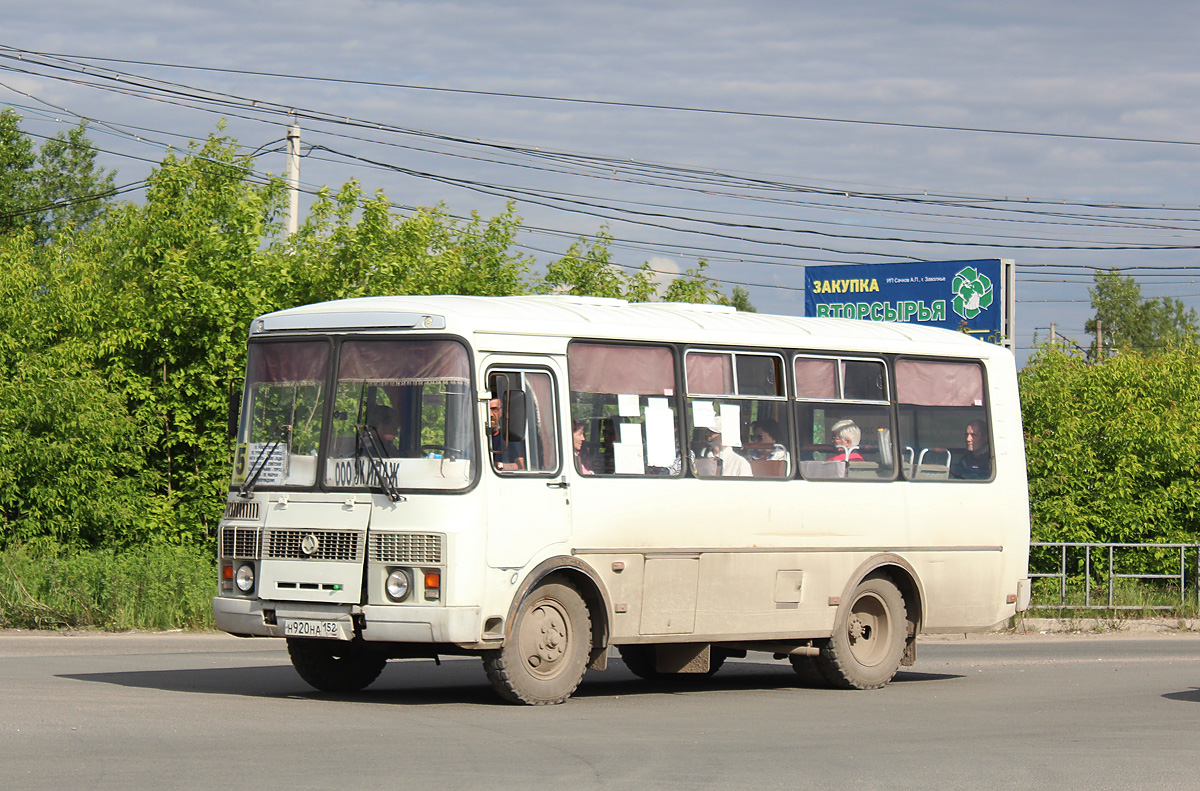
(335, 367)
(500, 368)
(677, 399)
(889, 401)
(985, 389)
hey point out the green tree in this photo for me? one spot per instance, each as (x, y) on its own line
(1113, 449)
(587, 269)
(740, 299)
(352, 246)
(17, 161)
(51, 188)
(1125, 320)
(69, 182)
(72, 459)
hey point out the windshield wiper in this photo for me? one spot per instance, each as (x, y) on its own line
(368, 438)
(246, 490)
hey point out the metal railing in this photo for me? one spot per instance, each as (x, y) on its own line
(1071, 551)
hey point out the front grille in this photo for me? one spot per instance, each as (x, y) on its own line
(329, 544)
(406, 547)
(239, 542)
(240, 509)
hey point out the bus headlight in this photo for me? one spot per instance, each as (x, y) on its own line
(398, 584)
(244, 579)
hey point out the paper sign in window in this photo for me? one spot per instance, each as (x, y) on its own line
(731, 425)
(703, 414)
(627, 459)
(660, 435)
(631, 433)
(628, 406)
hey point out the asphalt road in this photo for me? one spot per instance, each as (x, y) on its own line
(180, 711)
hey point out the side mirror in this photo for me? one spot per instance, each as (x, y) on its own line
(513, 415)
(235, 408)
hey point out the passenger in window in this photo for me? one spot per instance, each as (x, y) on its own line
(506, 454)
(846, 436)
(765, 442)
(577, 438)
(976, 463)
(726, 459)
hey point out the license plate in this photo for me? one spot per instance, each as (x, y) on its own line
(327, 629)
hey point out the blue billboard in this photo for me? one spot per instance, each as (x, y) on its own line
(957, 295)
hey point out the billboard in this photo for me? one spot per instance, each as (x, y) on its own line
(975, 297)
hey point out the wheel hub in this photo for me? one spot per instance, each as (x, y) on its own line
(546, 635)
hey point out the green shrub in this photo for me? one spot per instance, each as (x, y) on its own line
(157, 587)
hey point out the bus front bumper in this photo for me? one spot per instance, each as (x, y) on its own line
(417, 624)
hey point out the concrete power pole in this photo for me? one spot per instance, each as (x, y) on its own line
(293, 177)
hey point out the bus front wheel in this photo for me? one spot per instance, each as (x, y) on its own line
(868, 638)
(334, 665)
(547, 652)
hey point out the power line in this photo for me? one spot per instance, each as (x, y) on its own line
(611, 103)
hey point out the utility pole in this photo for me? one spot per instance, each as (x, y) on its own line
(293, 176)
(1099, 341)
(1053, 334)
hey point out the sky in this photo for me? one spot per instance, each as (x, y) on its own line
(758, 137)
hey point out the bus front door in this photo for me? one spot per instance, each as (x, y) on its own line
(528, 481)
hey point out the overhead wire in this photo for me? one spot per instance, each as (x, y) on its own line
(674, 177)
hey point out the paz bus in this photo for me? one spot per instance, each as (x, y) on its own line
(537, 480)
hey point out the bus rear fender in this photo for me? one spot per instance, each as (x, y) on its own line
(904, 577)
(585, 580)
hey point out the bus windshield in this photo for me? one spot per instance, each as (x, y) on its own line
(402, 410)
(280, 430)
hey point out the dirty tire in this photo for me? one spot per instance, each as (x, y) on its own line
(640, 661)
(868, 638)
(333, 665)
(806, 668)
(547, 651)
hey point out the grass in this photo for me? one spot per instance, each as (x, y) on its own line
(156, 587)
(1131, 599)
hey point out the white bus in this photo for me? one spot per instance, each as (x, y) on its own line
(535, 480)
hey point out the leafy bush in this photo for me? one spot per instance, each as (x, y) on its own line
(1113, 448)
(158, 586)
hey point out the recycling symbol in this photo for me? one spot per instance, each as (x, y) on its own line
(972, 292)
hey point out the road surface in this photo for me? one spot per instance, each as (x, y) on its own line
(183, 711)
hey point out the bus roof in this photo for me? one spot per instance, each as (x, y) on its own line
(598, 317)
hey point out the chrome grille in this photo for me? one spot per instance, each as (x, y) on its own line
(240, 509)
(330, 544)
(239, 542)
(406, 547)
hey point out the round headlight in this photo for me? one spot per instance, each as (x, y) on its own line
(244, 579)
(398, 583)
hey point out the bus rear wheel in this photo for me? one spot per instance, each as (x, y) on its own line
(868, 638)
(546, 654)
(334, 665)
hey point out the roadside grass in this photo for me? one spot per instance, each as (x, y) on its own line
(1130, 599)
(155, 587)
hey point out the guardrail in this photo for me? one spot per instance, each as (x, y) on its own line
(1071, 551)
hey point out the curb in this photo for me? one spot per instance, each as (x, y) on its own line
(1100, 625)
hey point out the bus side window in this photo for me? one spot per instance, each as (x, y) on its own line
(622, 402)
(845, 419)
(737, 415)
(521, 422)
(944, 426)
